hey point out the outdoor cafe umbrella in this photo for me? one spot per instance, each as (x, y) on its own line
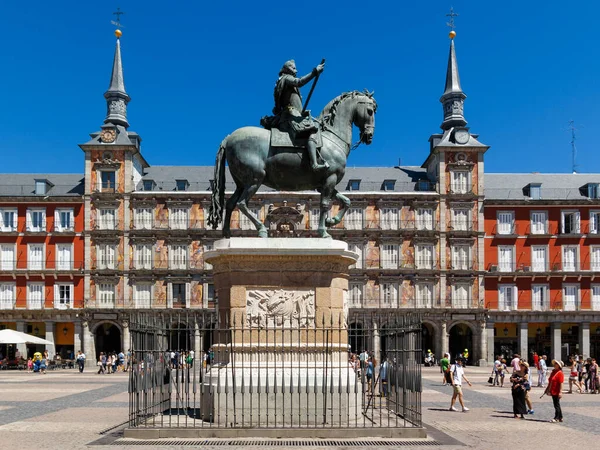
(16, 337)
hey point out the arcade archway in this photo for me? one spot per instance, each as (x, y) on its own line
(108, 338)
(356, 338)
(461, 338)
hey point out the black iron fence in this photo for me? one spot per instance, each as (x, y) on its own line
(201, 369)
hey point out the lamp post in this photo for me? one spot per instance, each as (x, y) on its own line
(505, 331)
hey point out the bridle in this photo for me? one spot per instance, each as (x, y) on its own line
(325, 126)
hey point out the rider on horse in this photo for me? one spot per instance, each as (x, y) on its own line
(289, 115)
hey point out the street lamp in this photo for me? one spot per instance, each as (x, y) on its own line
(570, 330)
(65, 331)
(538, 331)
(36, 330)
(505, 331)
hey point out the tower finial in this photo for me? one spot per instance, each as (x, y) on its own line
(453, 97)
(116, 96)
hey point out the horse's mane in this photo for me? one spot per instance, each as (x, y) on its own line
(329, 112)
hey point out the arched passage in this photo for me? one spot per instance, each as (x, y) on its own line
(461, 338)
(180, 337)
(108, 338)
(428, 340)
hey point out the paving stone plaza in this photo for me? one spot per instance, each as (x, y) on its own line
(66, 409)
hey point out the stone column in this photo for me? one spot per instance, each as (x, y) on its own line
(77, 335)
(489, 331)
(483, 345)
(444, 337)
(556, 341)
(88, 345)
(126, 336)
(198, 343)
(376, 342)
(523, 343)
(584, 339)
(22, 348)
(50, 329)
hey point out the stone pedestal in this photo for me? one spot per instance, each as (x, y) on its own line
(285, 357)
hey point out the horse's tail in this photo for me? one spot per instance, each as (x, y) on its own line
(215, 212)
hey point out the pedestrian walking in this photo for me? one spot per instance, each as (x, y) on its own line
(574, 377)
(457, 374)
(370, 372)
(518, 391)
(593, 377)
(445, 368)
(80, 360)
(555, 382)
(542, 371)
(101, 364)
(527, 385)
(515, 362)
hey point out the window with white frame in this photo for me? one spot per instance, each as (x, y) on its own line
(570, 297)
(8, 219)
(594, 222)
(209, 293)
(539, 258)
(178, 256)
(389, 218)
(506, 222)
(245, 222)
(595, 258)
(353, 219)
(107, 181)
(107, 219)
(64, 219)
(178, 218)
(506, 258)
(64, 256)
(7, 257)
(36, 219)
(355, 295)
(540, 300)
(389, 256)
(535, 191)
(507, 297)
(424, 219)
(35, 295)
(459, 182)
(208, 246)
(63, 295)
(143, 256)
(569, 222)
(144, 218)
(424, 295)
(106, 256)
(106, 295)
(461, 295)
(570, 258)
(389, 295)
(314, 218)
(179, 294)
(539, 222)
(35, 256)
(461, 257)
(424, 256)
(460, 219)
(7, 295)
(596, 297)
(142, 295)
(592, 190)
(357, 248)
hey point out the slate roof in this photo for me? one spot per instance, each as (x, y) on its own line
(554, 186)
(371, 178)
(23, 184)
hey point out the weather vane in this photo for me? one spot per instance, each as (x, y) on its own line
(117, 23)
(452, 15)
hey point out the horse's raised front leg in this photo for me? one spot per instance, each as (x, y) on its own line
(242, 205)
(326, 196)
(345, 201)
(229, 207)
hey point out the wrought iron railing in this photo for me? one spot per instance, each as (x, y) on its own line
(205, 370)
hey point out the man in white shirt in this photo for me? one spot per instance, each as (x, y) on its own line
(457, 373)
(542, 368)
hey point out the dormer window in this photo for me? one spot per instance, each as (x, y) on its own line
(354, 185)
(389, 185)
(592, 190)
(535, 191)
(182, 185)
(149, 185)
(41, 187)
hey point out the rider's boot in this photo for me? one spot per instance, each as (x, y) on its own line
(312, 154)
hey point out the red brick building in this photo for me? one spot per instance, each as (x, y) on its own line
(542, 262)
(41, 258)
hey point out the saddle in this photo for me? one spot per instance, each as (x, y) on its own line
(282, 139)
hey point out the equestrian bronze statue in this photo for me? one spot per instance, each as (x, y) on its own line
(283, 154)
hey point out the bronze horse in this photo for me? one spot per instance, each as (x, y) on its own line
(253, 162)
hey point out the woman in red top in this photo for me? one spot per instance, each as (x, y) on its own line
(555, 382)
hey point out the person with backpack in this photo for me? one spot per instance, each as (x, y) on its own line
(457, 374)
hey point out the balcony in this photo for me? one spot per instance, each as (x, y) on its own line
(107, 226)
(108, 188)
(504, 231)
(462, 265)
(461, 189)
(60, 229)
(426, 264)
(48, 266)
(460, 303)
(461, 228)
(592, 230)
(35, 227)
(541, 231)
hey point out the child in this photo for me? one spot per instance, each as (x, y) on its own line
(29, 365)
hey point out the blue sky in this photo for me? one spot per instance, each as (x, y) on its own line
(198, 70)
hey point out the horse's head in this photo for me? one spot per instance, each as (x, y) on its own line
(364, 116)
